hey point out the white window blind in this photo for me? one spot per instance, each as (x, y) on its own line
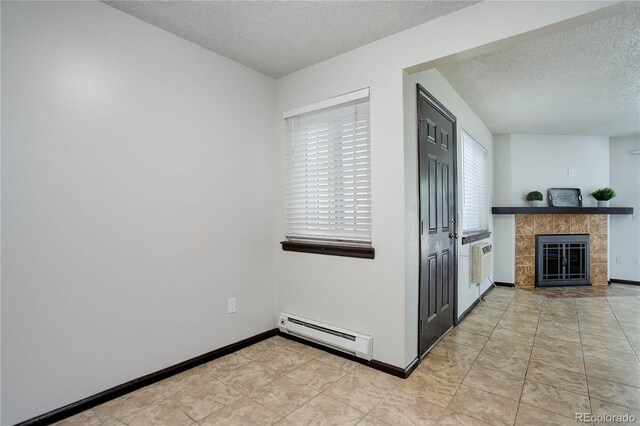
(328, 178)
(474, 181)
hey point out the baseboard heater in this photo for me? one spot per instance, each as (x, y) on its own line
(343, 340)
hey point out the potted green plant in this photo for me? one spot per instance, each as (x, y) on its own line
(535, 198)
(603, 195)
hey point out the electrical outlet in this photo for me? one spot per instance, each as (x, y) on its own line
(619, 260)
(635, 262)
(572, 173)
(231, 305)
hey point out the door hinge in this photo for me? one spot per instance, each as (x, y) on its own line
(422, 227)
(421, 327)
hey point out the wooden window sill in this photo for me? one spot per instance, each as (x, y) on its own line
(467, 239)
(330, 249)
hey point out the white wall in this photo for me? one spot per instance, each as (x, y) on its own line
(371, 296)
(624, 238)
(527, 163)
(503, 225)
(539, 162)
(468, 121)
(137, 196)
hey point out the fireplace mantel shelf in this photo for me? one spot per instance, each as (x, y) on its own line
(562, 210)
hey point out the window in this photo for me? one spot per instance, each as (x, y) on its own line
(474, 187)
(328, 176)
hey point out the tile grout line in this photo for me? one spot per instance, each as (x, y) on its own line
(475, 360)
(584, 361)
(255, 390)
(529, 360)
(623, 332)
(322, 392)
(607, 379)
(244, 395)
(366, 413)
(97, 416)
(313, 358)
(585, 370)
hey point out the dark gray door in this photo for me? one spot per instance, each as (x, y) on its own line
(437, 154)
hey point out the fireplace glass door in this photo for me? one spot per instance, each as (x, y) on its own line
(562, 260)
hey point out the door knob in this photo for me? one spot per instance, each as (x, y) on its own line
(453, 236)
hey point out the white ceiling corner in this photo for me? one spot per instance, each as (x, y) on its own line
(583, 81)
(280, 37)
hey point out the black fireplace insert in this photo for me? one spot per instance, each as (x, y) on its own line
(562, 260)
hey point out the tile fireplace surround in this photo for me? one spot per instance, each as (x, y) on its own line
(528, 225)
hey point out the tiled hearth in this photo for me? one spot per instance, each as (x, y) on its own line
(528, 225)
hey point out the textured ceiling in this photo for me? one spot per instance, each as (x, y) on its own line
(584, 81)
(280, 37)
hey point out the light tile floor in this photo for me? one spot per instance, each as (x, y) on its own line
(525, 357)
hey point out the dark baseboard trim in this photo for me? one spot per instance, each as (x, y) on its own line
(501, 284)
(403, 373)
(135, 384)
(470, 308)
(617, 281)
(411, 367)
(330, 249)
